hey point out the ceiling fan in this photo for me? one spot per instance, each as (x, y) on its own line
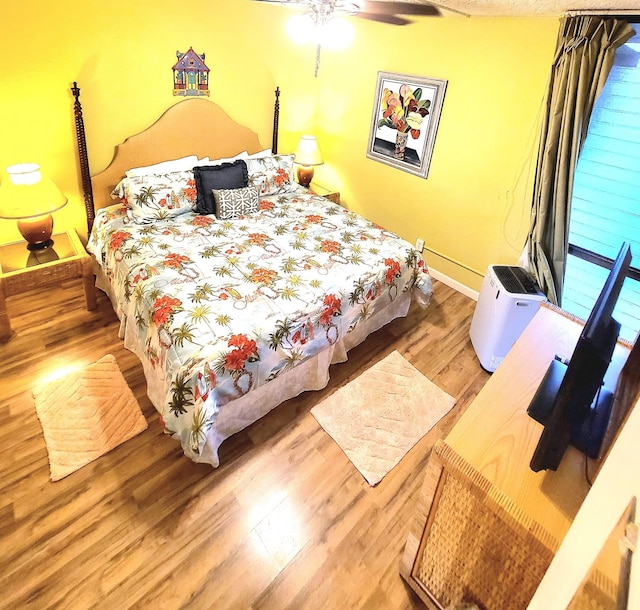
(322, 12)
(375, 10)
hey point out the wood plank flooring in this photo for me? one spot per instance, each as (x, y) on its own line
(285, 522)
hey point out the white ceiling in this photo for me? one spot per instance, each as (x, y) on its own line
(546, 8)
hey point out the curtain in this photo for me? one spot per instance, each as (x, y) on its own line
(584, 55)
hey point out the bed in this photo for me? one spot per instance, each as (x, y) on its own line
(235, 298)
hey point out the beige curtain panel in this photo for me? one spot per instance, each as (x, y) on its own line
(584, 56)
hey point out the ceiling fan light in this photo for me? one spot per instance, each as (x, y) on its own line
(301, 28)
(336, 34)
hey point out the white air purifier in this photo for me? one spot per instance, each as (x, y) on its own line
(509, 298)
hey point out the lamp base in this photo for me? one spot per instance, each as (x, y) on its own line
(41, 245)
(305, 175)
(37, 231)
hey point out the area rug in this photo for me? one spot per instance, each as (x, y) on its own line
(379, 416)
(86, 414)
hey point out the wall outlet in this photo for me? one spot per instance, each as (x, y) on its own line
(419, 244)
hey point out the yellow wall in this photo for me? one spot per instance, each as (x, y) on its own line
(472, 208)
(474, 205)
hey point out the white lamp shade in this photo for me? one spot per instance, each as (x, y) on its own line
(26, 193)
(308, 152)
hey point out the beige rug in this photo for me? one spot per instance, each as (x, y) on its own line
(86, 414)
(380, 415)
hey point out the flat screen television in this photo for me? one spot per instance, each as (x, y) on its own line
(571, 402)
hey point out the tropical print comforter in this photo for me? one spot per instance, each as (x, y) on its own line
(223, 307)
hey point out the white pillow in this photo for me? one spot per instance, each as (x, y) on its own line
(207, 161)
(260, 155)
(176, 165)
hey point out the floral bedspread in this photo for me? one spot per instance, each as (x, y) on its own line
(222, 307)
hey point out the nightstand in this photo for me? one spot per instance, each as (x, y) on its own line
(22, 270)
(325, 192)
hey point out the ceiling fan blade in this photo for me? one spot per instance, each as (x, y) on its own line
(398, 8)
(296, 4)
(382, 18)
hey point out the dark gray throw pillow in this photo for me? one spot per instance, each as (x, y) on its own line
(225, 176)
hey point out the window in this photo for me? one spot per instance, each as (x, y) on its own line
(605, 208)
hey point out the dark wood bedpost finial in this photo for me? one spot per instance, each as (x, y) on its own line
(276, 120)
(87, 189)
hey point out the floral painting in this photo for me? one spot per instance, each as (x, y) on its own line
(406, 112)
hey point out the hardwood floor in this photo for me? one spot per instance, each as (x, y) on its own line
(285, 522)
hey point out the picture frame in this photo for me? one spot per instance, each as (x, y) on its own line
(404, 122)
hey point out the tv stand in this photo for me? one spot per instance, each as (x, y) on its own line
(587, 435)
(512, 509)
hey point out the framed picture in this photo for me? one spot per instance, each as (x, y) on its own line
(406, 112)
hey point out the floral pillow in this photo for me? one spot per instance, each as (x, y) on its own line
(231, 203)
(272, 175)
(157, 196)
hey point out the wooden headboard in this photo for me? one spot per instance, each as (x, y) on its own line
(195, 126)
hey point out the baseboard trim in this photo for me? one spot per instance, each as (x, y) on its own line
(445, 279)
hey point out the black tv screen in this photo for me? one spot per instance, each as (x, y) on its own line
(571, 402)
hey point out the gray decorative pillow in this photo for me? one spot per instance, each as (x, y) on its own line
(231, 203)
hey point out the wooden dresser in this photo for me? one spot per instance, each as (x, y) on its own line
(510, 516)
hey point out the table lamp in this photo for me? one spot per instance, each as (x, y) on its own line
(307, 155)
(29, 197)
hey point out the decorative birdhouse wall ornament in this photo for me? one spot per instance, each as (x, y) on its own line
(190, 74)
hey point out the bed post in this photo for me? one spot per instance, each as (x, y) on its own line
(276, 119)
(87, 189)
